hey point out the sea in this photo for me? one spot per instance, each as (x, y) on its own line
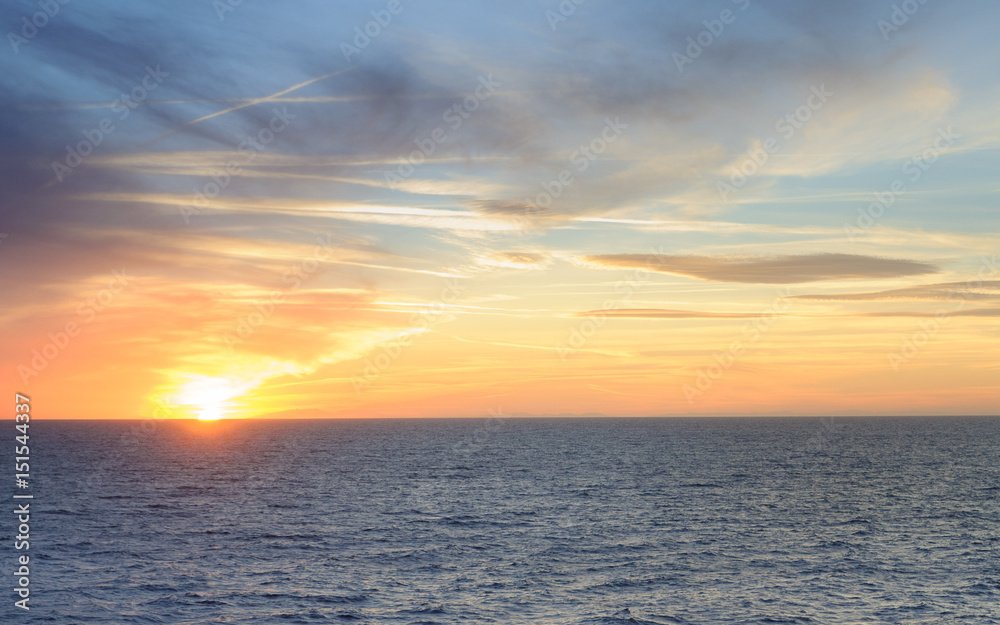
(569, 521)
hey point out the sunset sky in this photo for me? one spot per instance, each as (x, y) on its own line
(737, 207)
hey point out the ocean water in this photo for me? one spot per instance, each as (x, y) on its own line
(683, 521)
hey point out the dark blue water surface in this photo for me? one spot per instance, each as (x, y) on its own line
(710, 521)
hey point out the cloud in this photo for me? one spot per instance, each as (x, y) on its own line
(987, 289)
(409, 216)
(770, 270)
(666, 313)
(523, 258)
(517, 260)
(976, 312)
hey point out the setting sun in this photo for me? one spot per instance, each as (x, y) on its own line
(209, 398)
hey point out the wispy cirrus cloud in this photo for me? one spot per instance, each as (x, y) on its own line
(669, 313)
(411, 216)
(975, 312)
(517, 260)
(767, 270)
(666, 313)
(987, 289)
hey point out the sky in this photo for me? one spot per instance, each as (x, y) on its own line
(237, 208)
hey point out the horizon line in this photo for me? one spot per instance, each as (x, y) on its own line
(541, 417)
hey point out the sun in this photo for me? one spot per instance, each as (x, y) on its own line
(211, 412)
(209, 397)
